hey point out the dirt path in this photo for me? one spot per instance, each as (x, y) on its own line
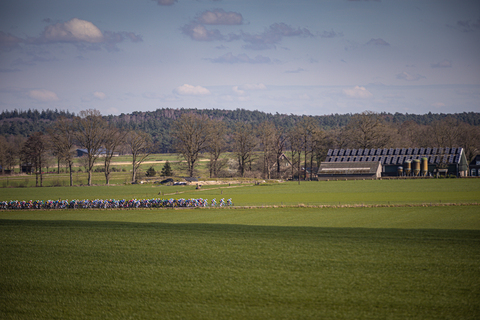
(125, 163)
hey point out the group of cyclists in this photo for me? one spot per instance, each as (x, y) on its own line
(113, 204)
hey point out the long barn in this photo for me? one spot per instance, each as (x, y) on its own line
(405, 161)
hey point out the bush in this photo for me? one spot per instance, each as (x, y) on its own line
(151, 172)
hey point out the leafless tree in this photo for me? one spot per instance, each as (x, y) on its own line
(12, 152)
(3, 152)
(367, 130)
(279, 145)
(113, 140)
(319, 148)
(190, 132)
(295, 143)
(245, 142)
(62, 137)
(267, 134)
(33, 152)
(139, 144)
(444, 133)
(410, 134)
(469, 140)
(14, 156)
(216, 145)
(90, 134)
(307, 129)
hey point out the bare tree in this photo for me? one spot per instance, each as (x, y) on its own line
(14, 155)
(410, 135)
(216, 145)
(12, 152)
(280, 142)
(367, 130)
(295, 142)
(139, 144)
(191, 134)
(33, 152)
(245, 143)
(8, 153)
(319, 148)
(469, 139)
(3, 152)
(307, 129)
(267, 134)
(444, 133)
(90, 135)
(62, 137)
(113, 140)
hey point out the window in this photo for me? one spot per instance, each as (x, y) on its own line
(474, 172)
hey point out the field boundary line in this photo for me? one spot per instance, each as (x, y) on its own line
(301, 205)
(358, 205)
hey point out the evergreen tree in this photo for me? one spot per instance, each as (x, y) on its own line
(166, 170)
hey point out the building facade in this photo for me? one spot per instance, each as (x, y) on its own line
(407, 161)
(475, 166)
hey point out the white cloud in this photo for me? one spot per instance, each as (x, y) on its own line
(438, 105)
(357, 93)
(258, 86)
(241, 58)
(75, 30)
(442, 64)
(8, 41)
(304, 96)
(378, 42)
(410, 77)
(220, 17)
(295, 71)
(189, 90)
(43, 95)
(227, 98)
(165, 2)
(99, 95)
(198, 32)
(84, 35)
(238, 91)
(273, 35)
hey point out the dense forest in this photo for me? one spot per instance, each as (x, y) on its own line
(158, 123)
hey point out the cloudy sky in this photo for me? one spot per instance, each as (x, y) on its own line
(310, 57)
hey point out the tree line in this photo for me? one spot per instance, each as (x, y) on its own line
(266, 145)
(158, 123)
(88, 131)
(261, 149)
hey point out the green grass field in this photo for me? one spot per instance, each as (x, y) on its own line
(288, 193)
(284, 262)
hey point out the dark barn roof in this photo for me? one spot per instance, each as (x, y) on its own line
(396, 156)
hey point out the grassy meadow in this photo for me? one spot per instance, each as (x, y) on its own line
(369, 192)
(287, 260)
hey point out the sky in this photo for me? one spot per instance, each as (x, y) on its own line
(312, 57)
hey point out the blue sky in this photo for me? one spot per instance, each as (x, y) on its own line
(303, 57)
